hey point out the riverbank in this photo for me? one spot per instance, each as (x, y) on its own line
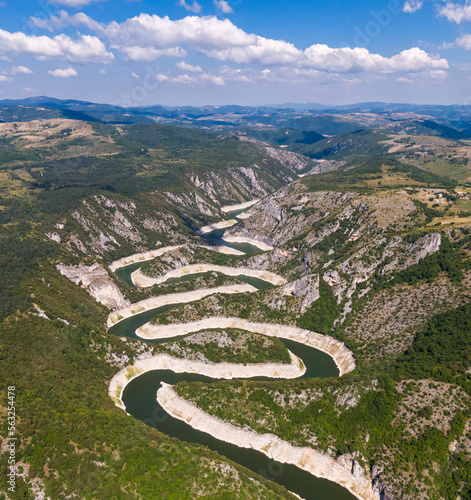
(174, 298)
(142, 280)
(140, 257)
(224, 224)
(222, 249)
(245, 239)
(342, 356)
(226, 371)
(239, 206)
(308, 459)
(152, 254)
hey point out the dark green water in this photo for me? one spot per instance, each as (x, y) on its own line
(124, 273)
(215, 238)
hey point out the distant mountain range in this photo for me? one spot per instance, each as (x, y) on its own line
(286, 123)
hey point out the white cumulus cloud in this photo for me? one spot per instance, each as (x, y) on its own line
(216, 79)
(412, 6)
(85, 49)
(259, 49)
(149, 53)
(64, 73)
(194, 7)
(224, 6)
(188, 67)
(455, 12)
(186, 79)
(22, 70)
(347, 60)
(464, 42)
(73, 3)
(147, 37)
(438, 74)
(64, 19)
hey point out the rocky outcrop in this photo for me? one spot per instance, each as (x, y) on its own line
(96, 281)
(290, 212)
(294, 161)
(428, 244)
(142, 280)
(323, 166)
(174, 298)
(414, 252)
(54, 237)
(306, 289)
(342, 357)
(40, 312)
(316, 463)
(246, 214)
(331, 277)
(147, 362)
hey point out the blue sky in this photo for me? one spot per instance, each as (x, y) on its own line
(197, 52)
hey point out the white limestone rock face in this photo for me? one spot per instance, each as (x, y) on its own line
(239, 206)
(414, 253)
(217, 225)
(97, 282)
(54, 237)
(306, 288)
(246, 239)
(428, 244)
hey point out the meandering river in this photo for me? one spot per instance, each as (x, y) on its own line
(139, 397)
